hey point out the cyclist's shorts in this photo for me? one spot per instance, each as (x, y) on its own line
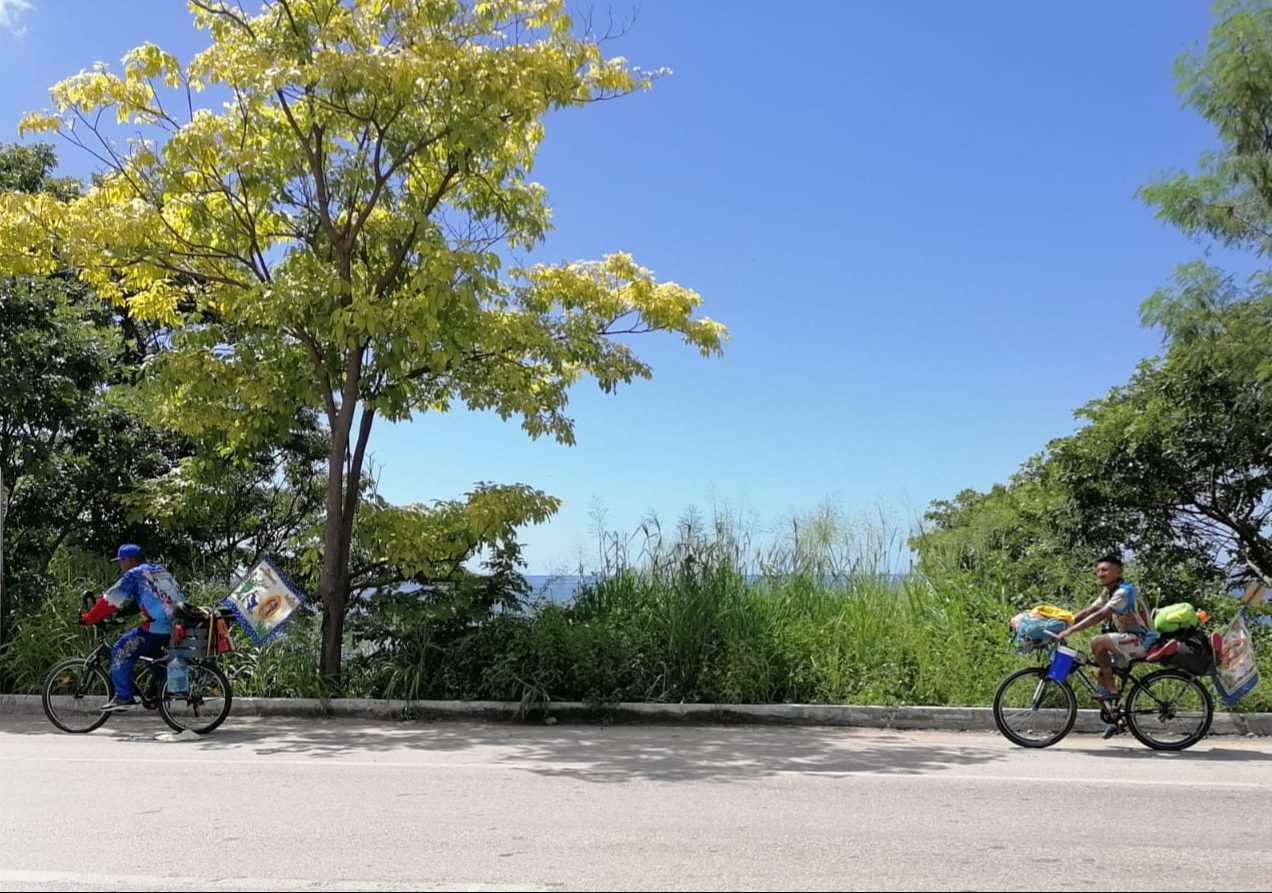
(1127, 646)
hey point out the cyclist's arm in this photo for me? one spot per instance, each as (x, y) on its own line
(1086, 618)
(99, 612)
(113, 599)
(1095, 607)
(1084, 613)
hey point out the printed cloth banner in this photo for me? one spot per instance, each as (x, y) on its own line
(1236, 673)
(264, 601)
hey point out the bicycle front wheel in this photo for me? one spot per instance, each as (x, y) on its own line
(203, 706)
(1032, 710)
(74, 692)
(1169, 710)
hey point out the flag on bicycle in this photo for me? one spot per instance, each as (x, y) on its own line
(1236, 671)
(264, 601)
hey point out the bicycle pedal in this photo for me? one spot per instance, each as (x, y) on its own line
(1111, 730)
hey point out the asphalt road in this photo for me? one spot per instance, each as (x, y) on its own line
(300, 805)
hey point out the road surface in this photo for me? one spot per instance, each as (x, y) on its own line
(308, 805)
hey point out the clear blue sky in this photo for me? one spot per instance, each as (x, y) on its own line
(917, 221)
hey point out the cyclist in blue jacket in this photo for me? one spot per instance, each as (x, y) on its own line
(155, 591)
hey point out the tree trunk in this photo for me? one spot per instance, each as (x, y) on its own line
(333, 585)
(335, 597)
(342, 506)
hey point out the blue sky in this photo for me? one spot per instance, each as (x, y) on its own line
(917, 220)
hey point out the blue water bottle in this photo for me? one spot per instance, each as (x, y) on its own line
(178, 676)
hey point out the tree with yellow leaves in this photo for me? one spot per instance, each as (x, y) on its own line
(326, 236)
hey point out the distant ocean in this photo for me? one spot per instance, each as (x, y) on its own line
(556, 588)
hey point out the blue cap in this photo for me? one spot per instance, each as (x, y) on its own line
(128, 550)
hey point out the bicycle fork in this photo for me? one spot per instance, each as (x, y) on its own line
(1036, 704)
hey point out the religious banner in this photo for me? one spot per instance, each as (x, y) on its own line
(264, 601)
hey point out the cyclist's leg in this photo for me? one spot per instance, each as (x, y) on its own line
(155, 644)
(1117, 649)
(1104, 651)
(124, 654)
(123, 657)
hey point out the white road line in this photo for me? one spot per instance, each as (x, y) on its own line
(25, 879)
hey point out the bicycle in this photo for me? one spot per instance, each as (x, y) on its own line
(75, 689)
(1165, 697)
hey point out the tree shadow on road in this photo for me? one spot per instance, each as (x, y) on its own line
(620, 753)
(587, 752)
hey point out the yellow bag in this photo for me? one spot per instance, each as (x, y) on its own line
(1052, 612)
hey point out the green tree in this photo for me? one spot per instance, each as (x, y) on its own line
(327, 238)
(80, 466)
(1177, 458)
(65, 453)
(1229, 199)
(1022, 538)
(1218, 332)
(214, 515)
(1173, 465)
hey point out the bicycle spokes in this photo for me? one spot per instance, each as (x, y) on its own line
(1169, 710)
(205, 703)
(1033, 710)
(74, 693)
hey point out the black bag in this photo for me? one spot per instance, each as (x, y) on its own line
(191, 615)
(1188, 650)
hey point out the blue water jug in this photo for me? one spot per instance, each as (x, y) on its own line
(1061, 664)
(178, 676)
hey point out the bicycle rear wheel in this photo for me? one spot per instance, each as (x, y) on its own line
(74, 692)
(1032, 710)
(1169, 710)
(203, 706)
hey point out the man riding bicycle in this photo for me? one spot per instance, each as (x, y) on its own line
(154, 590)
(1132, 634)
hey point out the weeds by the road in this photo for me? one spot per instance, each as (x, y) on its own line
(821, 618)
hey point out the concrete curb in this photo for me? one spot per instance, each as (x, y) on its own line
(950, 719)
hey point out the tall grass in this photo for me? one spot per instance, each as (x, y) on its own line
(709, 633)
(47, 632)
(707, 611)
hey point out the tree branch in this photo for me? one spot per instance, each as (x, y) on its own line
(224, 13)
(320, 367)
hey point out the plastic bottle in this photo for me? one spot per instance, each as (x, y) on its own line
(178, 676)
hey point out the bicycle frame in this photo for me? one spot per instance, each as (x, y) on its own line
(190, 709)
(1144, 702)
(1111, 710)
